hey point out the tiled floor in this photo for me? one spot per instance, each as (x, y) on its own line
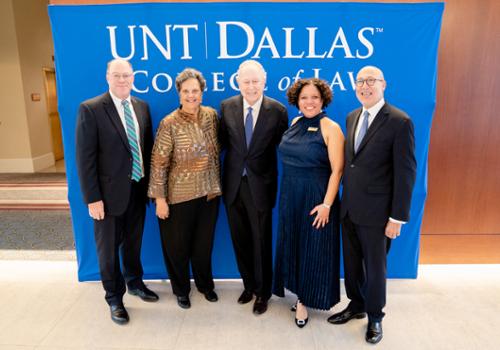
(42, 306)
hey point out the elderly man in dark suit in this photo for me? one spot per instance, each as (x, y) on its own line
(379, 175)
(113, 149)
(250, 131)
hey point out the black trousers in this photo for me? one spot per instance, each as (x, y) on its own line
(187, 235)
(251, 233)
(122, 233)
(365, 251)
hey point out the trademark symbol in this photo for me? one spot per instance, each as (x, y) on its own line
(379, 30)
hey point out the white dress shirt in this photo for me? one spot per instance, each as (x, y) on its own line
(255, 110)
(373, 110)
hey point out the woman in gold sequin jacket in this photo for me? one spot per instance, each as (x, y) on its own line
(185, 184)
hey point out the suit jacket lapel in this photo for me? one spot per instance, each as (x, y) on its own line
(352, 131)
(239, 118)
(379, 120)
(110, 109)
(140, 119)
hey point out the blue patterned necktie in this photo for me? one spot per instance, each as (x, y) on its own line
(362, 131)
(248, 133)
(132, 141)
(249, 127)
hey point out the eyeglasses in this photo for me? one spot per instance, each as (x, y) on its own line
(192, 92)
(369, 81)
(125, 76)
(253, 82)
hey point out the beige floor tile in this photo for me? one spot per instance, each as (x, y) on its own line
(34, 300)
(42, 306)
(88, 323)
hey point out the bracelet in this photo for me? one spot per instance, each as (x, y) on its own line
(327, 206)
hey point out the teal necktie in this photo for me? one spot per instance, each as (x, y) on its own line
(132, 141)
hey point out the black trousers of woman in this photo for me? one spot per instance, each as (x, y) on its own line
(187, 235)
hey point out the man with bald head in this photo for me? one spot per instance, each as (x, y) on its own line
(379, 175)
(113, 149)
(250, 131)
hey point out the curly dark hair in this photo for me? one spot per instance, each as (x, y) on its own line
(322, 86)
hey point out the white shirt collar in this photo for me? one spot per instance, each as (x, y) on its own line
(373, 110)
(118, 101)
(255, 106)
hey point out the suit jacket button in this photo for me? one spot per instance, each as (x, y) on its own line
(353, 166)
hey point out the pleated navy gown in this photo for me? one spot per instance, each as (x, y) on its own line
(307, 259)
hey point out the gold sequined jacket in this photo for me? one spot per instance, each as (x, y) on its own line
(185, 158)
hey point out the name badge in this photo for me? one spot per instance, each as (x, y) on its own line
(312, 128)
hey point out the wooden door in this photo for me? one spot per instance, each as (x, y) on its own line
(55, 122)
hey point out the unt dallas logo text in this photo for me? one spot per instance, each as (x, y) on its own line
(176, 42)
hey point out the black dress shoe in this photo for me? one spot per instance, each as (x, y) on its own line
(345, 316)
(260, 306)
(118, 314)
(211, 296)
(144, 293)
(245, 297)
(183, 301)
(374, 332)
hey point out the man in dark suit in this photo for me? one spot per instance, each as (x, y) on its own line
(379, 175)
(250, 131)
(113, 149)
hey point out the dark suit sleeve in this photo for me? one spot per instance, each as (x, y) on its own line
(86, 154)
(404, 171)
(282, 126)
(222, 129)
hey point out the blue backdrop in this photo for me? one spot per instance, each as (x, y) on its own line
(329, 40)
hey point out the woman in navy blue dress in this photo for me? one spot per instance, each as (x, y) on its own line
(307, 252)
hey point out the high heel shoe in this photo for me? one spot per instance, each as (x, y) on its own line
(298, 322)
(301, 323)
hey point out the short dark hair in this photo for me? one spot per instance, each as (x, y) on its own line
(189, 73)
(322, 86)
